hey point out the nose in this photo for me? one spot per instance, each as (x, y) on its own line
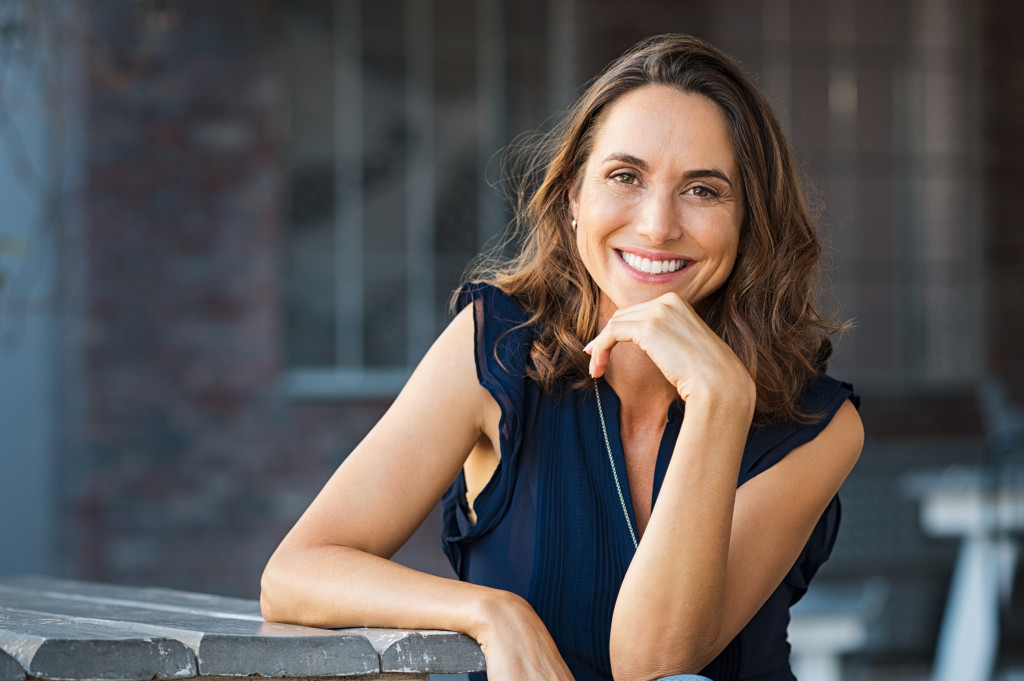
(659, 222)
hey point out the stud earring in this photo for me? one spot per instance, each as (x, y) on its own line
(574, 224)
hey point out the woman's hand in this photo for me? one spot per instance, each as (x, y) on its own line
(689, 354)
(516, 644)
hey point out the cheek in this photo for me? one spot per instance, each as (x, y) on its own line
(587, 247)
(602, 217)
(718, 232)
(598, 217)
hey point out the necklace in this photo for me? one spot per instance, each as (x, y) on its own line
(611, 460)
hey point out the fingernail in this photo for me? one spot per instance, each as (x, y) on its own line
(588, 346)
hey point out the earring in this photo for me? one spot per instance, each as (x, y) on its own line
(574, 224)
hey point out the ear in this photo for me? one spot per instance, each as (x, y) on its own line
(574, 203)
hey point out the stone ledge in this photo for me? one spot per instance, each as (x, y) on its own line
(60, 630)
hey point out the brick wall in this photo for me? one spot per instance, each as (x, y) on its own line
(182, 463)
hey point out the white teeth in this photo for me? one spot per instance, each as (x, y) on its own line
(647, 266)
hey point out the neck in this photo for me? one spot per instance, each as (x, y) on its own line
(643, 391)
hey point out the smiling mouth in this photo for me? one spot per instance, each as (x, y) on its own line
(648, 266)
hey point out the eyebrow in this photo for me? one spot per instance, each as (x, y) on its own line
(707, 172)
(688, 175)
(628, 158)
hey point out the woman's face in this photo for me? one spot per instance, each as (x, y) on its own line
(660, 204)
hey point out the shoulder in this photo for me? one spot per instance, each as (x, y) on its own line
(824, 395)
(503, 332)
(839, 427)
(447, 370)
(492, 302)
(833, 405)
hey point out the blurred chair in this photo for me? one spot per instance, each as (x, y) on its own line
(831, 621)
(983, 506)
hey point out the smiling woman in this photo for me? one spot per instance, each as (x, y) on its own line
(628, 423)
(655, 206)
(767, 312)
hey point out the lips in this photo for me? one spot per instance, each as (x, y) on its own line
(655, 266)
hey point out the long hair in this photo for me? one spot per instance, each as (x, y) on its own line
(766, 310)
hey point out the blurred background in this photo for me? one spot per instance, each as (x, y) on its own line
(229, 229)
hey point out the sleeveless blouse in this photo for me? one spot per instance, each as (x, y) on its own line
(549, 524)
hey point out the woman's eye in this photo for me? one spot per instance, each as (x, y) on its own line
(702, 192)
(624, 178)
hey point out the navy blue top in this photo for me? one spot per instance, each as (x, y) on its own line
(549, 525)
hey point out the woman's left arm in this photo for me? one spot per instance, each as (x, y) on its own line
(712, 554)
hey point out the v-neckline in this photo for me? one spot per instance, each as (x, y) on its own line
(612, 404)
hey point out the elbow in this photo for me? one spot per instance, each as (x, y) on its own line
(267, 608)
(272, 598)
(266, 602)
(654, 656)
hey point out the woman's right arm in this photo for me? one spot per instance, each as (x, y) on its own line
(332, 568)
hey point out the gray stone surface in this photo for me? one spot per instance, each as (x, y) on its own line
(223, 644)
(10, 670)
(287, 657)
(437, 652)
(56, 648)
(223, 636)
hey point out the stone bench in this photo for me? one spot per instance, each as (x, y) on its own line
(60, 630)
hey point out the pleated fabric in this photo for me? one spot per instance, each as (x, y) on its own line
(549, 524)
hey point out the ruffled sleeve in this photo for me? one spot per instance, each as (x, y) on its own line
(768, 445)
(502, 343)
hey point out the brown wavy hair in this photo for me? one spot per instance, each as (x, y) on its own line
(766, 311)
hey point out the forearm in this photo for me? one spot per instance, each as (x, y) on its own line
(337, 586)
(681, 562)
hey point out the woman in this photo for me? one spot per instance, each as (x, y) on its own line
(667, 267)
